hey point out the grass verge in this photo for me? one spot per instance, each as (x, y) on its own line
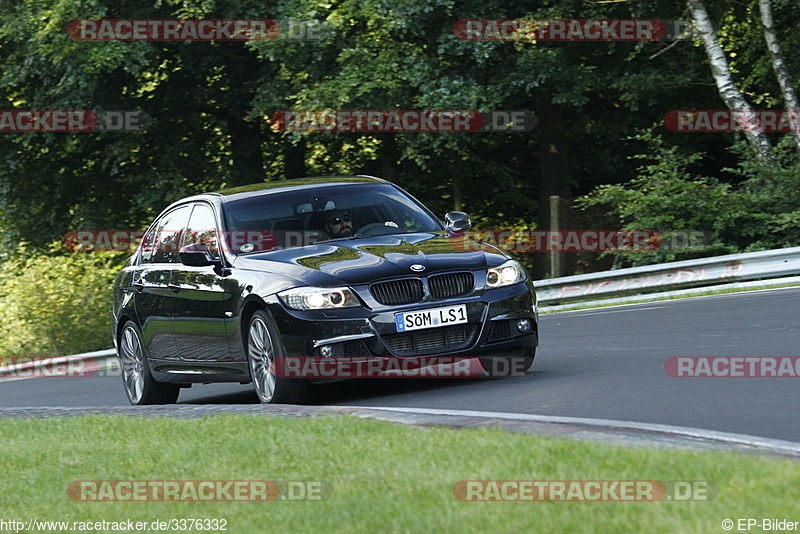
(383, 476)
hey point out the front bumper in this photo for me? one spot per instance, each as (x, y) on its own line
(493, 326)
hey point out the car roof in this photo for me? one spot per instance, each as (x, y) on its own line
(295, 183)
(263, 188)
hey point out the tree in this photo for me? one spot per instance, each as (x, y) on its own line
(720, 70)
(211, 103)
(779, 66)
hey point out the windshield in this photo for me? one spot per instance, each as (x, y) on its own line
(313, 214)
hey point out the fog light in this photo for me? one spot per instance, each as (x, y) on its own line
(326, 351)
(524, 325)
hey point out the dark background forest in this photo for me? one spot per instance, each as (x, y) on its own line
(600, 143)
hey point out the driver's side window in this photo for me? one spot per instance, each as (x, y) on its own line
(160, 244)
(202, 230)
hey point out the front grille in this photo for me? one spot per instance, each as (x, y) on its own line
(398, 291)
(445, 286)
(500, 330)
(434, 339)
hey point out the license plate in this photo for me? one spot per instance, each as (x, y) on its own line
(432, 318)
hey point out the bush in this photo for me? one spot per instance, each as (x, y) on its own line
(55, 305)
(759, 211)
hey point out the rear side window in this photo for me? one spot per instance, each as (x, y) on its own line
(160, 244)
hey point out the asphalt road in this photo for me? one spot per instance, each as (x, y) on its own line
(602, 363)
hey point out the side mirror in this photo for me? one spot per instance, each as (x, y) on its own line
(197, 255)
(457, 221)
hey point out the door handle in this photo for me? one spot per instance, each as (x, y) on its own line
(174, 288)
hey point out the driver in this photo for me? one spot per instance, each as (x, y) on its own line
(338, 223)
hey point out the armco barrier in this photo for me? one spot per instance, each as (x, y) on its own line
(668, 276)
(37, 367)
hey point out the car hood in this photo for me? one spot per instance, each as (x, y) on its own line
(365, 259)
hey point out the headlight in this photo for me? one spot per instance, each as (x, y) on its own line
(511, 272)
(318, 298)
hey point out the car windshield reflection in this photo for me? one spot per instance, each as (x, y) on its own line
(291, 219)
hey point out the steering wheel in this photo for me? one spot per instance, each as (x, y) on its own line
(376, 229)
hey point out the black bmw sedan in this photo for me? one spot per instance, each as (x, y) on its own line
(229, 286)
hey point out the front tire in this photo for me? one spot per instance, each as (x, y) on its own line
(140, 386)
(262, 351)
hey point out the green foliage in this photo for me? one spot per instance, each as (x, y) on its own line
(760, 211)
(211, 101)
(770, 199)
(56, 305)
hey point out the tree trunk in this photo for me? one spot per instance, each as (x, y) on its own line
(722, 76)
(389, 155)
(554, 166)
(294, 159)
(248, 164)
(458, 196)
(779, 66)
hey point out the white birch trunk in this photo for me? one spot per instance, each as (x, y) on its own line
(721, 72)
(779, 66)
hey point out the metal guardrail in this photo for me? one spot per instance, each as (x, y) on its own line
(668, 276)
(77, 364)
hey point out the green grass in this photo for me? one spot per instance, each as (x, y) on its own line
(383, 476)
